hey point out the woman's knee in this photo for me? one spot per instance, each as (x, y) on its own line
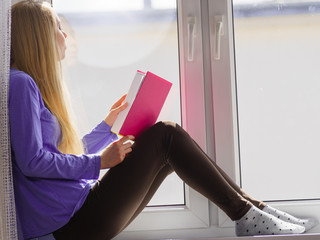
(163, 129)
(165, 124)
(162, 133)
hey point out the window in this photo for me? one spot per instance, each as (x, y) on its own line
(264, 101)
(107, 42)
(277, 57)
(269, 98)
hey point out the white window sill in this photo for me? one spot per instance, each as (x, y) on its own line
(195, 214)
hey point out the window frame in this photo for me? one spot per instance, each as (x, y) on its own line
(205, 84)
(195, 213)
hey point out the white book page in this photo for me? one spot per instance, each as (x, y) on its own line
(132, 93)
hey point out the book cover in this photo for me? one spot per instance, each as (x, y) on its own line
(145, 98)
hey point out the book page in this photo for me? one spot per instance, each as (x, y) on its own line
(133, 90)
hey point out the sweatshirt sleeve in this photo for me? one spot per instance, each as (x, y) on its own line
(32, 158)
(99, 138)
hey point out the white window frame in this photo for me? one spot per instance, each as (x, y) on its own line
(195, 213)
(224, 96)
(199, 77)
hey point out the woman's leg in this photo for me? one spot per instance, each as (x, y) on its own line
(195, 168)
(307, 223)
(154, 187)
(161, 177)
(114, 201)
(259, 204)
(126, 188)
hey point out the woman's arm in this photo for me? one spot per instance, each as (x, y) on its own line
(31, 156)
(101, 136)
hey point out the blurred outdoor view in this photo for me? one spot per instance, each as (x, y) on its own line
(108, 41)
(278, 82)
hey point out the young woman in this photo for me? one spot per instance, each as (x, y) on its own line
(55, 174)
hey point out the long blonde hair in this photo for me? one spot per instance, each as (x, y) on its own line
(34, 51)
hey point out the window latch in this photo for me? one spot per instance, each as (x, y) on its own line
(218, 33)
(191, 36)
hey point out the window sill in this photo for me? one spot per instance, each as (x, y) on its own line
(195, 214)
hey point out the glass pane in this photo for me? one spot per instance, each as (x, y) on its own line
(277, 58)
(108, 41)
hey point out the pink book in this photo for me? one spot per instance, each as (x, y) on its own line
(145, 98)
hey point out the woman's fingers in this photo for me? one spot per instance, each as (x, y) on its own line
(116, 152)
(126, 144)
(115, 110)
(126, 138)
(119, 102)
(127, 148)
(122, 107)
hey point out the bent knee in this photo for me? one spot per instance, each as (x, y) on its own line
(160, 128)
(166, 124)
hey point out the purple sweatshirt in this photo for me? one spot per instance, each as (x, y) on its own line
(49, 186)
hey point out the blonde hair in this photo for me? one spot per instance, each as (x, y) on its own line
(34, 51)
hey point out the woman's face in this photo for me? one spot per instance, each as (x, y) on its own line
(61, 39)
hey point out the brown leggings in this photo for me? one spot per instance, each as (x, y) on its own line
(125, 190)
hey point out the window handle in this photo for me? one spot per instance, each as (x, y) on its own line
(218, 33)
(191, 36)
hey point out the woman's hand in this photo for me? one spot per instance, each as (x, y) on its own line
(116, 152)
(116, 108)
